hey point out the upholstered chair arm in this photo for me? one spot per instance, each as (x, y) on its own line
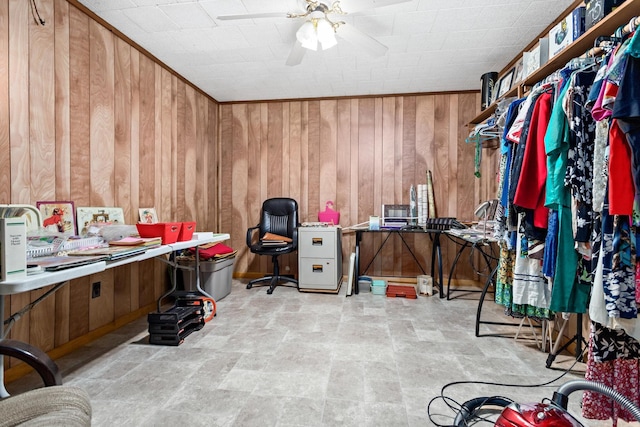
(34, 357)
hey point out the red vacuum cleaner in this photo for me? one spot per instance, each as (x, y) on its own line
(552, 414)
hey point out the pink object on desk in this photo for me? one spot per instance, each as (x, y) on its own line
(329, 215)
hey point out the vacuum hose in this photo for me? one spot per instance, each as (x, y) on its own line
(561, 396)
(470, 406)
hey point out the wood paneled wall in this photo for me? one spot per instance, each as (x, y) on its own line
(359, 153)
(87, 117)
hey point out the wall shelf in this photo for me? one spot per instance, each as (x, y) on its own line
(607, 26)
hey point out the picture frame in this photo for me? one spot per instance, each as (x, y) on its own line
(148, 215)
(88, 216)
(505, 83)
(58, 216)
(519, 73)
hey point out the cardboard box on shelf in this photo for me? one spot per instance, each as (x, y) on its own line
(566, 31)
(535, 59)
(598, 9)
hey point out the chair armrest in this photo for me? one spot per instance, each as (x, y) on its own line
(294, 238)
(34, 357)
(250, 235)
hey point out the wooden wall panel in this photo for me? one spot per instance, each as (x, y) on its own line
(19, 109)
(314, 145)
(199, 208)
(147, 134)
(42, 141)
(122, 131)
(134, 131)
(212, 170)
(42, 145)
(79, 101)
(286, 155)
(164, 203)
(242, 170)
(101, 92)
(359, 152)
(157, 133)
(101, 309)
(19, 171)
(327, 156)
(5, 141)
(79, 294)
(295, 157)
(189, 162)
(62, 316)
(225, 164)
(62, 93)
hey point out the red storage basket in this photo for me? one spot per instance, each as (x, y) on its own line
(168, 231)
(186, 232)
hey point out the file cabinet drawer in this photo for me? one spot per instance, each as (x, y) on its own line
(317, 273)
(314, 243)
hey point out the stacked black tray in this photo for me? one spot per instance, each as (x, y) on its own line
(171, 327)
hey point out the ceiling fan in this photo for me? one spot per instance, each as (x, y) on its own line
(321, 25)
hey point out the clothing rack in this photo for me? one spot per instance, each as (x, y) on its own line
(577, 338)
(619, 34)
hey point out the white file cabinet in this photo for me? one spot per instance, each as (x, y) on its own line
(319, 258)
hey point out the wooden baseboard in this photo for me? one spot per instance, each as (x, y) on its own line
(23, 369)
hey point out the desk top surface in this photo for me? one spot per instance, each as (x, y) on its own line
(37, 281)
(472, 235)
(399, 230)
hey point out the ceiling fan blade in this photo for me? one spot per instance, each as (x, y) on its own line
(353, 6)
(362, 40)
(253, 16)
(296, 54)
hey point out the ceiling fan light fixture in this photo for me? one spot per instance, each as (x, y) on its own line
(307, 36)
(326, 34)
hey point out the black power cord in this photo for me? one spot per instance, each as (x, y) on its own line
(35, 13)
(472, 416)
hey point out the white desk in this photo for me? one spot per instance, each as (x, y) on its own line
(60, 278)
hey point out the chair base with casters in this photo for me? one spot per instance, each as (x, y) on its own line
(273, 280)
(52, 405)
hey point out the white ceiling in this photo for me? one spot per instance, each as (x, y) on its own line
(434, 45)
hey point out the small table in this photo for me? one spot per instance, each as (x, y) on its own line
(436, 250)
(478, 240)
(475, 240)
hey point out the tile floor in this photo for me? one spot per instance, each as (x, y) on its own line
(305, 359)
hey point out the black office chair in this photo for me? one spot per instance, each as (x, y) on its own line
(279, 216)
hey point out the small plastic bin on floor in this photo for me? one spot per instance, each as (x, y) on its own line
(215, 276)
(378, 287)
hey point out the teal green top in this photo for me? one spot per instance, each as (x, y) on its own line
(567, 295)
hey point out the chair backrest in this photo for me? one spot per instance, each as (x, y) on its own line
(280, 216)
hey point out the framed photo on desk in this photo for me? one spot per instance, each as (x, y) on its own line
(58, 217)
(88, 216)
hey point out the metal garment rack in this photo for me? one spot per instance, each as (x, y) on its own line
(577, 338)
(474, 243)
(479, 243)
